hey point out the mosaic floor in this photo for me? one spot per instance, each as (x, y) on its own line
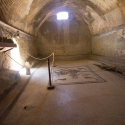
(75, 75)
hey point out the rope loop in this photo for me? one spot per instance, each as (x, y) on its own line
(39, 58)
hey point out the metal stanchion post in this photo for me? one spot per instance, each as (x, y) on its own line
(28, 71)
(50, 83)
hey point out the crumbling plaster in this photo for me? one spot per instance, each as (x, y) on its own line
(110, 43)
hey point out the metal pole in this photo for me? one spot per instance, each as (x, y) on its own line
(28, 71)
(49, 72)
(50, 83)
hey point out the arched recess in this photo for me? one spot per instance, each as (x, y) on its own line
(66, 38)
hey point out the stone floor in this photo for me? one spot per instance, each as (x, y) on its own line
(98, 98)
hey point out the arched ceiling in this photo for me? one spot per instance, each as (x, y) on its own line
(29, 15)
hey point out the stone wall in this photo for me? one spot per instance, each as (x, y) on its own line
(110, 43)
(65, 38)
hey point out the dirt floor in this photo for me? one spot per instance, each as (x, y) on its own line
(84, 94)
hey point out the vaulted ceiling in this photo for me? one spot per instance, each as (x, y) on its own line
(29, 15)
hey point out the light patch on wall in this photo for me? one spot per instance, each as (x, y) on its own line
(62, 16)
(16, 56)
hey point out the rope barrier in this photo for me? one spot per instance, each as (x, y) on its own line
(28, 70)
(43, 58)
(39, 58)
(14, 60)
(50, 86)
(32, 57)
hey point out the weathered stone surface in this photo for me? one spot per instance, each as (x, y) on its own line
(110, 43)
(104, 45)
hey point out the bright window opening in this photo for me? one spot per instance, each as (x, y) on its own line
(62, 16)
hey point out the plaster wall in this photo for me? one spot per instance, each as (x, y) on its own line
(65, 38)
(110, 43)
